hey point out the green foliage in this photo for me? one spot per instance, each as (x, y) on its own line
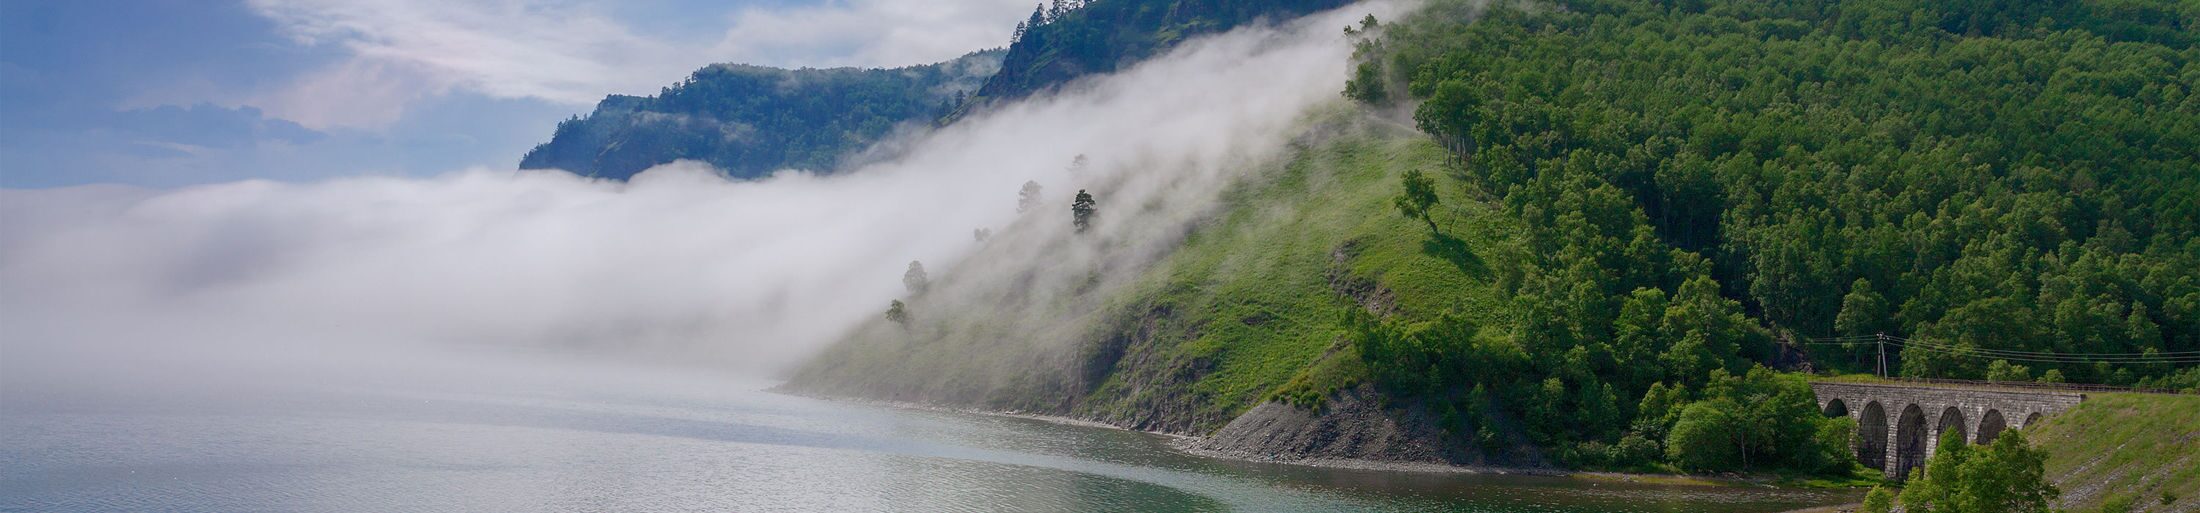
(1244, 310)
(1863, 311)
(1418, 198)
(1914, 168)
(753, 120)
(1669, 181)
(2005, 477)
(898, 313)
(2002, 370)
(1879, 500)
(1707, 437)
(1760, 420)
(2121, 503)
(1370, 83)
(1311, 387)
(1101, 36)
(1081, 211)
(2186, 381)
(1430, 359)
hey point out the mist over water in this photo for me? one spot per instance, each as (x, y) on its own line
(678, 265)
(492, 340)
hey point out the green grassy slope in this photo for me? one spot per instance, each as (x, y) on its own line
(1244, 306)
(1254, 296)
(2129, 452)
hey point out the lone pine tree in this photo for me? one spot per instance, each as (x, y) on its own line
(1081, 211)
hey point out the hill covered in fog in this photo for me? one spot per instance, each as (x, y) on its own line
(752, 120)
(1622, 219)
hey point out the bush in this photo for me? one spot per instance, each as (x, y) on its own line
(1636, 451)
(1705, 438)
(1759, 420)
(2006, 477)
(1829, 451)
(1880, 500)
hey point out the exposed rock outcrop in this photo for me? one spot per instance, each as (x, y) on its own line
(1354, 429)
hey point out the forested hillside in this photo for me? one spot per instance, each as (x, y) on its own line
(1650, 206)
(1993, 182)
(753, 120)
(1067, 39)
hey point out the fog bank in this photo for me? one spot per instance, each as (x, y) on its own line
(678, 265)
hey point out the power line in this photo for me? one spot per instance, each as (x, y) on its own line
(2029, 357)
(1968, 353)
(2053, 353)
(2172, 357)
(1847, 338)
(2046, 355)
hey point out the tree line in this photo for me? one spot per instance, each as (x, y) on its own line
(1084, 210)
(1700, 180)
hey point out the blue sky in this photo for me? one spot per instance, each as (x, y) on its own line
(167, 93)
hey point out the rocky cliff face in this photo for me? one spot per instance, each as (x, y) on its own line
(1355, 428)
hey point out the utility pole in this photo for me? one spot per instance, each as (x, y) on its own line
(1882, 339)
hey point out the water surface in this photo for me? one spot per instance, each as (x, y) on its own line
(690, 446)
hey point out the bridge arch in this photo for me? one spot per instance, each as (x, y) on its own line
(1990, 427)
(1871, 436)
(1897, 424)
(1909, 441)
(1951, 419)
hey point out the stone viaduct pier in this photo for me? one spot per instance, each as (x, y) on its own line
(1899, 425)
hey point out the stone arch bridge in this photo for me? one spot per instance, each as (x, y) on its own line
(1898, 426)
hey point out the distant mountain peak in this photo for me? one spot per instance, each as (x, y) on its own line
(753, 120)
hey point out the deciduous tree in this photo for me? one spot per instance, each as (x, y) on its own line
(915, 280)
(898, 313)
(1418, 198)
(1029, 197)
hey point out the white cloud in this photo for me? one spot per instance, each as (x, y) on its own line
(677, 263)
(575, 52)
(368, 93)
(402, 50)
(870, 33)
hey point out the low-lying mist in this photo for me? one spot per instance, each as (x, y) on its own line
(677, 265)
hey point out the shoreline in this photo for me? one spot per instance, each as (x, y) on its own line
(1184, 444)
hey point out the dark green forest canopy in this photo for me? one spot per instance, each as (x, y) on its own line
(1704, 179)
(753, 120)
(1102, 36)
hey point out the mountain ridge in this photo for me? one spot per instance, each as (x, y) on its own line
(746, 121)
(750, 121)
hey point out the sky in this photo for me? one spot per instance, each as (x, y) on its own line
(172, 93)
(115, 283)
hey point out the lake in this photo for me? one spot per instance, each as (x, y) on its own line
(548, 444)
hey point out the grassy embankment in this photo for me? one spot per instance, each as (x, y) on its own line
(1244, 310)
(1259, 291)
(2125, 452)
